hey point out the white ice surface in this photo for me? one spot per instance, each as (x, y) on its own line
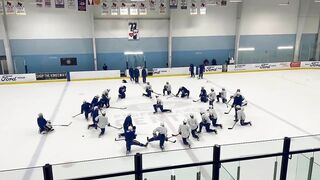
(283, 103)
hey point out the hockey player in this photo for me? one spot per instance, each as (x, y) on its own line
(122, 92)
(144, 75)
(184, 131)
(193, 123)
(212, 97)
(191, 69)
(44, 125)
(149, 90)
(201, 71)
(203, 95)
(101, 121)
(136, 75)
(237, 101)
(206, 123)
(167, 88)
(159, 134)
(241, 116)
(127, 122)
(94, 114)
(222, 95)
(86, 109)
(130, 136)
(95, 101)
(184, 92)
(104, 101)
(213, 117)
(159, 105)
(131, 74)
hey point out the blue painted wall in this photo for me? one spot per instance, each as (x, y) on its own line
(308, 47)
(43, 55)
(2, 52)
(187, 50)
(110, 51)
(266, 48)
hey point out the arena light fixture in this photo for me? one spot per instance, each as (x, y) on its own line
(133, 53)
(284, 47)
(247, 49)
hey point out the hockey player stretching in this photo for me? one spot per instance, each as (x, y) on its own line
(159, 105)
(167, 88)
(184, 92)
(159, 134)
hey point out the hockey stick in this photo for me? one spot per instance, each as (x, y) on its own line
(116, 127)
(119, 139)
(117, 107)
(76, 115)
(227, 103)
(235, 122)
(156, 93)
(171, 96)
(228, 111)
(174, 141)
(196, 100)
(62, 124)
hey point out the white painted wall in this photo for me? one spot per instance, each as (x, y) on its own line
(49, 23)
(261, 17)
(118, 28)
(219, 21)
(312, 18)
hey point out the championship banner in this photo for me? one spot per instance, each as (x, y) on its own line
(162, 7)
(59, 3)
(9, 7)
(184, 4)
(114, 8)
(1, 8)
(142, 8)
(193, 7)
(20, 9)
(39, 3)
(203, 7)
(133, 31)
(104, 8)
(93, 2)
(152, 5)
(173, 4)
(47, 3)
(82, 5)
(133, 9)
(124, 9)
(71, 4)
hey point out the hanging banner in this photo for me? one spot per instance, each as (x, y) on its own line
(20, 9)
(9, 7)
(173, 4)
(1, 8)
(104, 8)
(152, 5)
(183, 4)
(114, 8)
(39, 3)
(142, 8)
(193, 7)
(71, 4)
(124, 8)
(133, 9)
(133, 31)
(93, 2)
(162, 7)
(203, 7)
(59, 3)
(82, 5)
(47, 3)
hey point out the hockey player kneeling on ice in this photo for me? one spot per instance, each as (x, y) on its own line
(184, 131)
(149, 90)
(237, 101)
(101, 121)
(213, 117)
(127, 122)
(159, 134)
(86, 109)
(205, 122)
(122, 92)
(222, 95)
(212, 97)
(203, 95)
(242, 116)
(184, 92)
(159, 105)
(105, 99)
(95, 101)
(94, 113)
(44, 125)
(130, 137)
(193, 123)
(167, 88)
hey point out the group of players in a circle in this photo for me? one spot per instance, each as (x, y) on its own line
(189, 126)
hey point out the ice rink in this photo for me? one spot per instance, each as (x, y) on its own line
(281, 103)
